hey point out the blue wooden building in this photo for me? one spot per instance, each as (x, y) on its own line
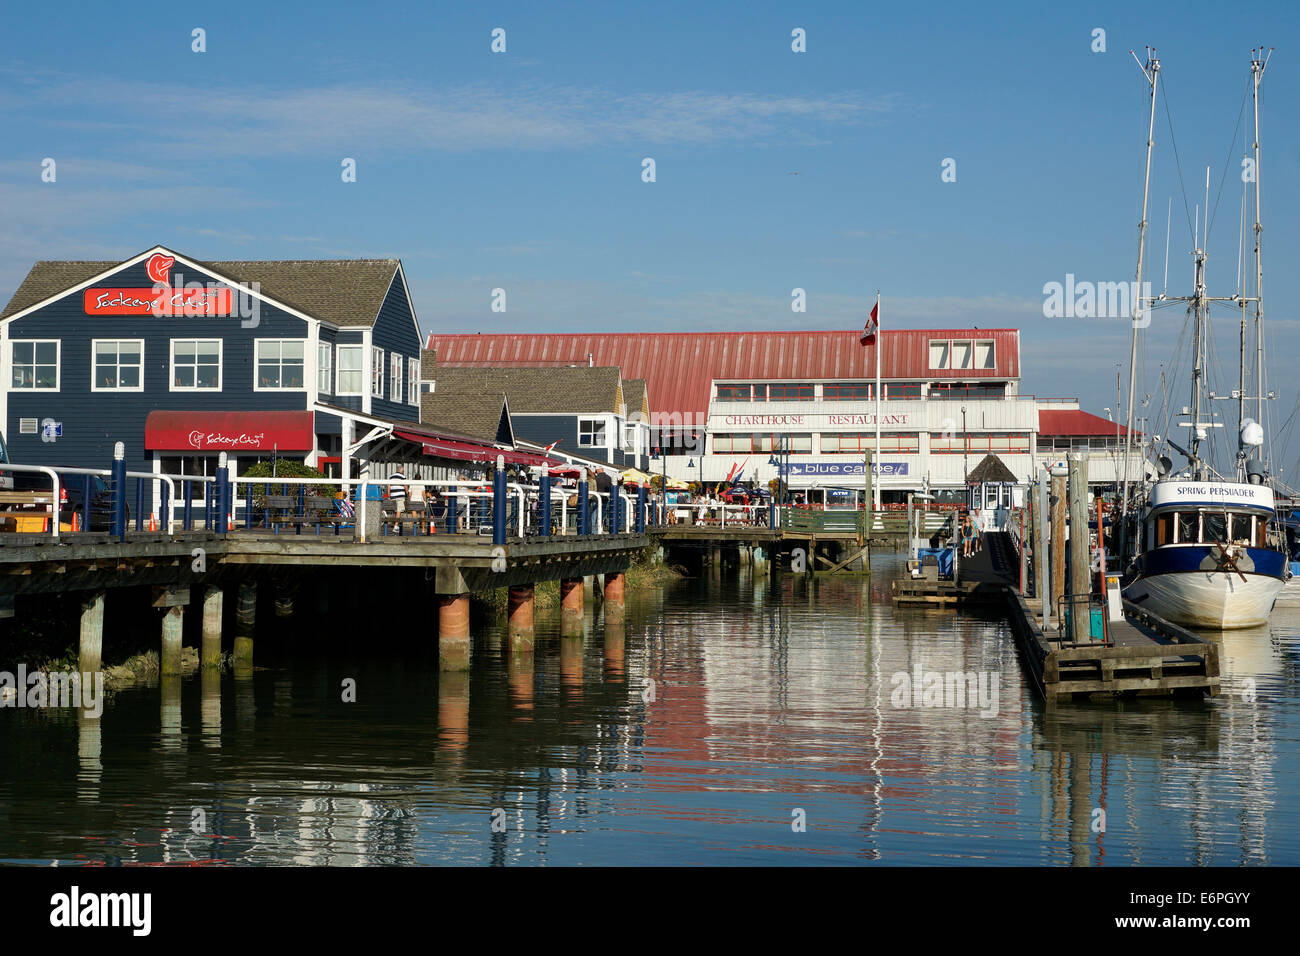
(181, 359)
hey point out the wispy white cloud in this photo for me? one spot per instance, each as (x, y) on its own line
(261, 122)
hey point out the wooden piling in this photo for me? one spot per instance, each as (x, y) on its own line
(245, 624)
(571, 607)
(1080, 585)
(1058, 505)
(213, 605)
(453, 632)
(169, 661)
(91, 643)
(521, 601)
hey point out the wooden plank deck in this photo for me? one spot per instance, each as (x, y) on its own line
(1147, 656)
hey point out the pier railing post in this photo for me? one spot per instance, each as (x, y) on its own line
(117, 525)
(499, 502)
(1080, 587)
(544, 503)
(222, 493)
(583, 505)
(615, 506)
(640, 510)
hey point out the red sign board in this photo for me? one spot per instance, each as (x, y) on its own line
(229, 431)
(192, 301)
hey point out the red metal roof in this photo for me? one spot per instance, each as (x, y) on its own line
(1070, 422)
(679, 367)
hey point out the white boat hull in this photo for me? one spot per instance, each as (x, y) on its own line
(1212, 600)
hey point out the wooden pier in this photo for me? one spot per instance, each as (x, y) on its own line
(1146, 656)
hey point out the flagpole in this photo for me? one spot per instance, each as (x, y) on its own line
(880, 337)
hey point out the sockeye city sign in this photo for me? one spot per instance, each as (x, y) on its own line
(161, 300)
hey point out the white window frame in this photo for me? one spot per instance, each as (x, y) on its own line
(993, 354)
(58, 365)
(94, 343)
(376, 372)
(360, 370)
(599, 424)
(413, 381)
(395, 392)
(325, 367)
(947, 353)
(171, 367)
(257, 361)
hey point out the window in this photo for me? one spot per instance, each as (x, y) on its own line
(733, 393)
(377, 373)
(857, 442)
(760, 393)
(790, 392)
(1214, 527)
(842, 392)
(36, 365)
(1188, 525)
(980, 443)
(279, 364)
(413, 382)
(349, 374)
(591, 433)
(963, 390)
(985, 357)
(939, 354)
(118, 365)
(629, 438)
(764, 442)
(395, 374)
(901, 391)
(196, 365)
(1164, 527)
(324, 367)
(961, 355)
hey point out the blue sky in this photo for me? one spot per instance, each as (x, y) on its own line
(522, 170)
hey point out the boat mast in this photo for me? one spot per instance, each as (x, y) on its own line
(1259, 60)
(1199, 306)
(1150, 70)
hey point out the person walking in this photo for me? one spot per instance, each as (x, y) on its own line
(397, 489)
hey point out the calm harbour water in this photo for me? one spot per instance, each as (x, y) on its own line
(700, 732)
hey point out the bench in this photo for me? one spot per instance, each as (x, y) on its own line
(414, 516)
(317, 510)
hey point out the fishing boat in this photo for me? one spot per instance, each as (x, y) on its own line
(1207, 547)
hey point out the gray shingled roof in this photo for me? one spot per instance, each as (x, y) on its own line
(991, 469)
(339, 291)
(570, 389)
(473, 413)
(635, 395)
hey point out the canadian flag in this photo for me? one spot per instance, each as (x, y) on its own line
(873, 324)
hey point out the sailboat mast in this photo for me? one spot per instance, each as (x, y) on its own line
(1257, 63)
(1150, 70)
(1198, 371)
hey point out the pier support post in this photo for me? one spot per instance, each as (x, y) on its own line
(169, 661)
(1080, 583)
(1058, 543)
(213, 604)
(453, 632)
(521, 617)
(571, 606)
(245, 623)
(615, 590)
(90, 650)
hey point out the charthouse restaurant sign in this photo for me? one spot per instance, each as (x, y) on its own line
(814, 420)
(162, 299)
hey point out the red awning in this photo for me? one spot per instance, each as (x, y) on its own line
(452, 448)
(229, 431)
(529, 458)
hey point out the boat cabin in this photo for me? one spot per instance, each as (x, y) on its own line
(1204, 513)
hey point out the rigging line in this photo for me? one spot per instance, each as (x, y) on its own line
(1231, 147)
(1178, 163)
